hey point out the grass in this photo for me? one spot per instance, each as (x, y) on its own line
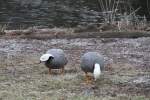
(41, 86)
(21, 78)
(3, 28)
(119, 20)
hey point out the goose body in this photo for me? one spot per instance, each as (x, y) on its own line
(54, 59)
(92, 62)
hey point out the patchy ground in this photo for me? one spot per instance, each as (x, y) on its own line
(127, 74)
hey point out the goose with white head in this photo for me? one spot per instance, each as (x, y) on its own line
(54, 59)
(92, 62)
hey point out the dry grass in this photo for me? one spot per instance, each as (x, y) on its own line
(36, 84)
(21, 78)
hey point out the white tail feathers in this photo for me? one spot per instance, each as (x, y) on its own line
(97, 71)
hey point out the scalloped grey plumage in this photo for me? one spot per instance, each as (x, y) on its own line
(59, 60)
(89, 59)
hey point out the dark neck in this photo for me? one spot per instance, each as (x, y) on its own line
(48, 62)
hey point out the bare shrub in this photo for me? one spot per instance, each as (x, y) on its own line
(3, 28)
(126, 20)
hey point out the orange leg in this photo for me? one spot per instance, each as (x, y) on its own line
(87, 78)
(62, 70)
(50, 71)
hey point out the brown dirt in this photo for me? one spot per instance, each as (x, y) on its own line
(34, 33)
